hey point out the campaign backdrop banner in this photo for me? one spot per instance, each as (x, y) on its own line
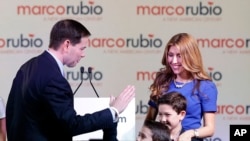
(127, 44)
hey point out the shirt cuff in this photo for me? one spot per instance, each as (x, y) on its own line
(115, 114)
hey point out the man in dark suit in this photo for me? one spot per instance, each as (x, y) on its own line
(40, 105)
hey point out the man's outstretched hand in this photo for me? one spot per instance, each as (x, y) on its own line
(121, 101)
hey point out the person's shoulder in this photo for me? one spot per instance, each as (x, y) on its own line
(30, 61)
(208, 84)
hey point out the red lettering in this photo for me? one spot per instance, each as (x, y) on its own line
(232, 109)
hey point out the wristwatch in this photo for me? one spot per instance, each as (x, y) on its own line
(196, 133)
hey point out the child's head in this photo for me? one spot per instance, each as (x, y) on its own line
(153, 131)
(172, 109)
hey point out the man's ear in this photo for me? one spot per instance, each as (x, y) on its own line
(66, 45)
(67, 42)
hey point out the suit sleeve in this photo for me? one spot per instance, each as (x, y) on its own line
(110, 134)
(59, 98)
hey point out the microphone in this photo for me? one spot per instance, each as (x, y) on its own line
(82, 71)
(90, 78)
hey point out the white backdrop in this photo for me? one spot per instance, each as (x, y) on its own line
(127, 43)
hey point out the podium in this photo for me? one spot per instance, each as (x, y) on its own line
(126, 122)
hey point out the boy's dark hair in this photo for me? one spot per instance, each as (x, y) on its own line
(160, 132)
(174, 99)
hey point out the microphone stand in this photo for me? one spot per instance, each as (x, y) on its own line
(82, 71)
(90, 78)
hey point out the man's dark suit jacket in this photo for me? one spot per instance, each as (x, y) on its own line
(40, 106)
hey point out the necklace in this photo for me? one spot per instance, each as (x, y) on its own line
(180, 85)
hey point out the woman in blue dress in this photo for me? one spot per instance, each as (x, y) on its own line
(184, 72)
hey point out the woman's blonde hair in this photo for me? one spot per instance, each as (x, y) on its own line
(191, 61)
